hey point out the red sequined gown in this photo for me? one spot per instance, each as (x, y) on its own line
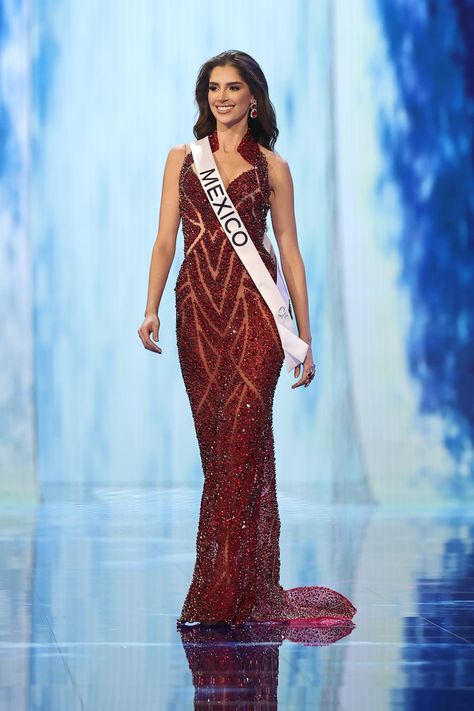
(231, 357)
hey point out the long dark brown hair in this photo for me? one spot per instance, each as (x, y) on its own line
(263, 128)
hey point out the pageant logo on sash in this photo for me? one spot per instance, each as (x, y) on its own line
(283, 313)
(275, 294)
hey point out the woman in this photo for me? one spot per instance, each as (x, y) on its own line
(230, 351)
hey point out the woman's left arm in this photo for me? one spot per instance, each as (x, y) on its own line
(284, 227)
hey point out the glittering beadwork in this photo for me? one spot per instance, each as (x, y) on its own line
(231, 356)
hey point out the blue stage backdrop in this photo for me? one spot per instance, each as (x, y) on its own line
(374, 103)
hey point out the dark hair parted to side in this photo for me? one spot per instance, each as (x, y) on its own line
(263, 128)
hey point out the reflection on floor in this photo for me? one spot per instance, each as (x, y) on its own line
(91, 589)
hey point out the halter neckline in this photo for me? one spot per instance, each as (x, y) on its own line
(214, 140)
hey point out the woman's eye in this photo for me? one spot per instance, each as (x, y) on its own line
(211, 88)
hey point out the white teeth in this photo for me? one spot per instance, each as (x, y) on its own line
(224, 108)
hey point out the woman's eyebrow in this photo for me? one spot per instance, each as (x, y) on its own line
(227, 84)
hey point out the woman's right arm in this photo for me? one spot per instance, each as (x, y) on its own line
(164, 247)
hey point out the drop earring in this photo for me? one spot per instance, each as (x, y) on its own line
(253, 111)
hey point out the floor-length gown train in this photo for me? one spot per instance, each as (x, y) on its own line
(231, 357)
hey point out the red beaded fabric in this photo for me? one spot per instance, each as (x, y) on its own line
(231, 356)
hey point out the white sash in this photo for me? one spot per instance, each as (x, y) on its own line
(275, 295)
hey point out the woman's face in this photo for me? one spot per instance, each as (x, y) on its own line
(228, 89)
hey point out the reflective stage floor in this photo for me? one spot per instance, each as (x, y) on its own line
(90, 591)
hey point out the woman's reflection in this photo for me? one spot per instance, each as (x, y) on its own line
(238, 665)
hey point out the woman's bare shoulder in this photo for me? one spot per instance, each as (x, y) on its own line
(175, 158)
(177, 153)
(277, 165)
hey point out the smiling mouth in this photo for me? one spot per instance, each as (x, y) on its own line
(225, 107)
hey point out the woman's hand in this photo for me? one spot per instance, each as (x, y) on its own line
(308, 371)
(151, 324)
